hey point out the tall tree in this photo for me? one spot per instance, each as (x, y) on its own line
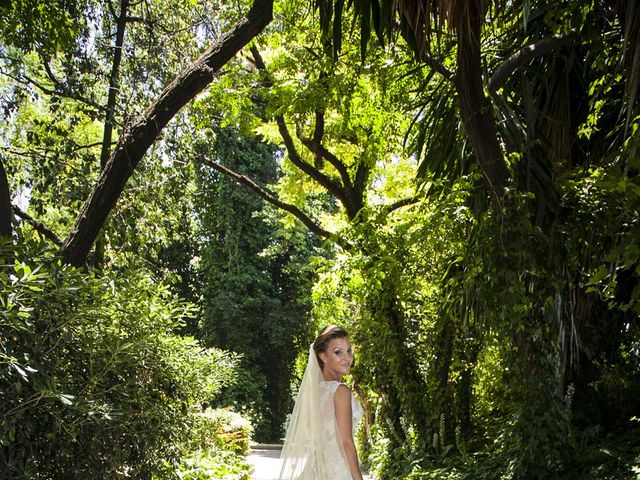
(254, 276)
(143, 131)
(138, 133)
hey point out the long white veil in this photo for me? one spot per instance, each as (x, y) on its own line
(303, 451)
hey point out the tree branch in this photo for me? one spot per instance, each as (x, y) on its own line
(525, 55)
(320, 152)
(273, 199)
(143, 131)
(437, 66)
(351, 198)
(313, 143)
(404, 202)
(24, 80)
(318, 129)
(110, 116)
(337, 164)
(328, 183)
(6, 224)
(38, 226)
(361, 176)
(331, 185)
(62, 90)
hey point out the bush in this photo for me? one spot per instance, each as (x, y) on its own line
(219, 444)
(93, 381)
(221, 429)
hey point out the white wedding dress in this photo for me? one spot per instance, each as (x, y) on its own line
(312, 449)
(336, 465)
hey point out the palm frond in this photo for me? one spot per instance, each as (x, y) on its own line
(419, 21)
(438, 139)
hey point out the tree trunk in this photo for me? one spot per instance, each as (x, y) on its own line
(109, 120)
(6, 213)
(442, 369)
(142, 132)
(407, 387)
(475, 106)
(464, 389)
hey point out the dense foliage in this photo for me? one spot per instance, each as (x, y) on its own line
(254, 279)
(489, 310)
(471, 169)
(92, 361)
(97, 376)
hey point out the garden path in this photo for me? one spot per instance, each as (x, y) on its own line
(265, 461)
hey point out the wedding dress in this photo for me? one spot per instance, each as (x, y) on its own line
(312, 449)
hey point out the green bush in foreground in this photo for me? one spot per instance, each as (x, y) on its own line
(93, 381)
(220, 443)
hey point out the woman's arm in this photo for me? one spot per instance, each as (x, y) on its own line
(342, 403)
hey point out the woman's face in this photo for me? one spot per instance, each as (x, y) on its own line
(337, 359)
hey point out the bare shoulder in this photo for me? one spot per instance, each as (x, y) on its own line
(342, 395)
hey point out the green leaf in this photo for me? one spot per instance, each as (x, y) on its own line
(66, 399)
(597, 277)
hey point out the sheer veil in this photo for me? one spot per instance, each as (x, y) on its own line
(303, 451)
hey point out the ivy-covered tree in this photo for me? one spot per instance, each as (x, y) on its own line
(515, 277)
(255, 278)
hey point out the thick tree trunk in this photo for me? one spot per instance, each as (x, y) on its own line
(142, 133)
(475, 106)
(6, 213)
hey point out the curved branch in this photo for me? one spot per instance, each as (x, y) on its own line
(37, 225)
(331, 185)
(143, 131)
(273, 199)
(59, 90)
(337, 164)
(342, 191)
(320, 152)
(525, 55)
(62, 90)
(328, 183)
(404, 202)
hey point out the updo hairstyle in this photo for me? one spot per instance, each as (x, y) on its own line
(327, 334)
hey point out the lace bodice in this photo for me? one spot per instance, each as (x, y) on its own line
(327, 407)
(335, 462)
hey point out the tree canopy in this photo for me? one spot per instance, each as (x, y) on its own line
(189, 190)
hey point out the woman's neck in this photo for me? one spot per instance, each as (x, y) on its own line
(331, 377)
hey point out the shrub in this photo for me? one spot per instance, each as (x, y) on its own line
(94, 382)
(219, 444)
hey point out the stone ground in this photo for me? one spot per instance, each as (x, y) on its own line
(265, 460)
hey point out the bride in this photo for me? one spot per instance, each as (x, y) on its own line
(319, 443)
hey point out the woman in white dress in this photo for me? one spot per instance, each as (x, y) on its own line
(319, 444)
